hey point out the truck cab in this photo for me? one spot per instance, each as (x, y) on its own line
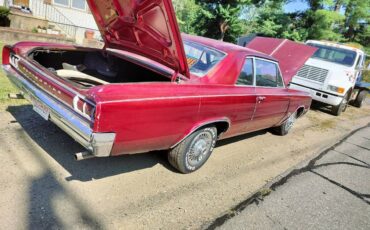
(330, 74)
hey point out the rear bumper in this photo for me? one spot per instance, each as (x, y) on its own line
(98, 144)
(317, 95)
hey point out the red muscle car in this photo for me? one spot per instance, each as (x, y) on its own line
(150, 88)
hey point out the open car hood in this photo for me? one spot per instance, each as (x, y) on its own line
(145, 27)
(291, 55)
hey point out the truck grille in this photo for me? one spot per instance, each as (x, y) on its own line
(313, 73)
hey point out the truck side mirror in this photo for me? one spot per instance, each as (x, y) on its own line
(363, 68)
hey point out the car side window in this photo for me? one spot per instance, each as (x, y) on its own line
(246, 74)
(268, 74)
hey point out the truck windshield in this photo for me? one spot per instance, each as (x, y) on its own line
(333, 54)
(200, 58)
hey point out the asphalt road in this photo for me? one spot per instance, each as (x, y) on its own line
(331, 192)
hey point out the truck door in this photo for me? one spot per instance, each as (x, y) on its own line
(359, 64)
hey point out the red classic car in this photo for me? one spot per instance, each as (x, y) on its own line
(150, 88)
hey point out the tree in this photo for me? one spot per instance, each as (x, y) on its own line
(357, 18)
(186, 13)
(327, 25)
(220, 19)
(267, 18)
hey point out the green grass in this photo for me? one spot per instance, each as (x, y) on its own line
(366, 73)
(6, 87)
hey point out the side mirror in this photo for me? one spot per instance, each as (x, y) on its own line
(363, 68)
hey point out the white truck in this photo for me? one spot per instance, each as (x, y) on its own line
(330, 75)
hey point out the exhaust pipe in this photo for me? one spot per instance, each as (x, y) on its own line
(83, 156)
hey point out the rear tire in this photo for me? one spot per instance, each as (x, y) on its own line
(193, 152)
(284, 128)
(342, 107)
(360, 98)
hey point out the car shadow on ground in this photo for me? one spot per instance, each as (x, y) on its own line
(317, 106)
(62, 148)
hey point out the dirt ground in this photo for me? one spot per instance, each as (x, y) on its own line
(43, 187)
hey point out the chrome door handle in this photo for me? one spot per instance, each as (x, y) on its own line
(260, 99)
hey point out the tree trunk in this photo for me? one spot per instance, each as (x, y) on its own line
(222, 36)
(223, 28)
(338, 6)
(350, 33)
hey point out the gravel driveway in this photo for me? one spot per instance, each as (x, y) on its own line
(43, 187)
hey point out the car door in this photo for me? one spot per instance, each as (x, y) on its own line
(246, 98)
(272, 98)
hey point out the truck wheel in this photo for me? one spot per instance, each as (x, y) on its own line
(342, 107)
(191, 154)
(284, 128)
(360, 98)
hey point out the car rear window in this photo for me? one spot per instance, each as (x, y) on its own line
(200, 58)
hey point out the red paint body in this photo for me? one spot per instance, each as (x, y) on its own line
(157, 116)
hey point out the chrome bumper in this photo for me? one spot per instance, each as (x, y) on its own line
(98, 144)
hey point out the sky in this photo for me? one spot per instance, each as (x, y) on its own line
(295, 6)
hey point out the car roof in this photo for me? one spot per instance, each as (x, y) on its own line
(225, 46)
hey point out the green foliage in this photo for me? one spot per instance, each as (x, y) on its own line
(4, 20)
(186, 13)
(220, 19)
(358, 14)
(334, 20)
(366, 73)
(4, 12)
(269, 19)
(327, 25)
(6, 88)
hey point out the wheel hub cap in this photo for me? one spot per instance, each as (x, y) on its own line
(291, 121)
(199, 149)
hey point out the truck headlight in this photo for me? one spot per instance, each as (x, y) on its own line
(336, 89)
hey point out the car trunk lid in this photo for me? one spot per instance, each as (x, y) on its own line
(146, 27)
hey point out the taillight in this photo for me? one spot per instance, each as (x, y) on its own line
(6, 55)
(84, 108)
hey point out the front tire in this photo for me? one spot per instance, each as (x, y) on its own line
(342, 107)
(193, 152)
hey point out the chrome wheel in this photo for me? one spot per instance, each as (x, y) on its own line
(290, 122)
(193, 152)
(199, 149)
(344, 104)
(337, 110)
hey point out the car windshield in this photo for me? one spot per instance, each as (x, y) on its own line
(333, 54)
(200, 58)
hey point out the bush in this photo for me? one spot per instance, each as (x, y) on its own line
(366, 73)
(4, 12)
(4, 20)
